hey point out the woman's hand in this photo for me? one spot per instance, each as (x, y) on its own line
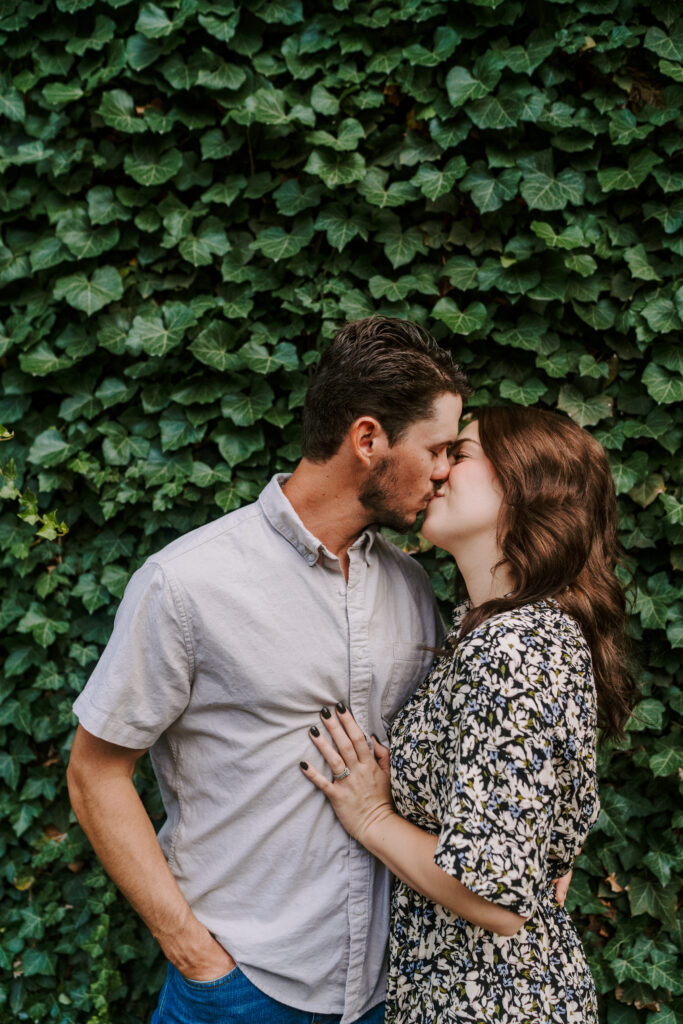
(363, 797)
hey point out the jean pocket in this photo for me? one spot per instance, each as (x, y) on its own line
(210, 985)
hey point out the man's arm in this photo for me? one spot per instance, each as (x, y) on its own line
(106, 803)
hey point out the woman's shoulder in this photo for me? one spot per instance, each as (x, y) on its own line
(538, 626)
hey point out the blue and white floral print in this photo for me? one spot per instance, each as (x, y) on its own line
(495, 754)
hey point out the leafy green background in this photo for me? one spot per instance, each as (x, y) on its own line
(195, 193)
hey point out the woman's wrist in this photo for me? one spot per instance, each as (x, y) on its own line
(373, 833)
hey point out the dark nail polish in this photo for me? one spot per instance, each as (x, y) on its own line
(314, 730)
(304, 765)
(326, 713)
(341, 707)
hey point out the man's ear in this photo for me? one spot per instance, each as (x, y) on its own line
(367, 439)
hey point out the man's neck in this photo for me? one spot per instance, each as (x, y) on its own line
(326, 502)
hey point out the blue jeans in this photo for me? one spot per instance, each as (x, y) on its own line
(233, 999)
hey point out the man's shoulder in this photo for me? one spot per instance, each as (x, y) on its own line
(204, 543)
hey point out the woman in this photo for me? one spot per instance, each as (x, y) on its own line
(493, 763)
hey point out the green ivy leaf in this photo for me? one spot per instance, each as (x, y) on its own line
(336, 168)
(58, 94)
(209, 240)
(117, 109)
(347, 138)
(148, 167)
(12, 105)
(639, 265)
(276, 244)
(670, 46)
(571, 237)
(653, 603)
(523, 394)
(153, 22)
(400, 246)
(435, 183)
(90, 294)
(159, 331)
(488, 192)
(543, 190)
(667, 756)
(340, 226)
(583, 410)
(460, 321)
(214, 347)
(639, 166)
(49, 448)
(661, 315)
(237, 446)
(246, 409)
(41, 360)
(647, 897)
(79, 236)
(43, 629)
(372, 188)
(664, 387)
(462, 86)
(648, 714)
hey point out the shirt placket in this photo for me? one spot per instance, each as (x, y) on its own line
(360, 680)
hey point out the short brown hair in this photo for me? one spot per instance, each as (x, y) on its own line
(381, 366)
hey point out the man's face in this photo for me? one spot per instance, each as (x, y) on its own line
(402, 483)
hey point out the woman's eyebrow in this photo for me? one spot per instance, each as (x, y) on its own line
(464, 440)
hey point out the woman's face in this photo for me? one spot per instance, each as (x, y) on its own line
(467, 506)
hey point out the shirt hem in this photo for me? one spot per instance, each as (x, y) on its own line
(108, 728)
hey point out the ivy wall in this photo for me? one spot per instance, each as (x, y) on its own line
(194, 194)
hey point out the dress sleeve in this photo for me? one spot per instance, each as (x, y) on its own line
(499, 794)
(142, 681)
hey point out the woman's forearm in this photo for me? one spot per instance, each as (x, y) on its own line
(408, 852)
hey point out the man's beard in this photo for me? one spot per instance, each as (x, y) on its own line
(379, 494)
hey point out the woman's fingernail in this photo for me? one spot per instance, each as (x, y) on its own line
(314, 730)
(326, 713)
(341, 707)
(375, 738)
(304, 765)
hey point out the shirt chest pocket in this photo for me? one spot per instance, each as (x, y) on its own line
(409, 665)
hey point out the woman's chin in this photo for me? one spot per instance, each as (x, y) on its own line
(429, 529)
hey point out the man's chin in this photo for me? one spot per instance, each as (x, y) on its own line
(399, 522)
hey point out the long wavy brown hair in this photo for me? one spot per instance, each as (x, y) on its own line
(558, 535)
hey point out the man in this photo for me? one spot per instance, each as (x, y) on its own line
(225, 647)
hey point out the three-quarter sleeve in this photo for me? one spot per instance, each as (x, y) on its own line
(142, 681)
(500, 787)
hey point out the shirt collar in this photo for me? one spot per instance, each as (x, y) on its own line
(284, 519)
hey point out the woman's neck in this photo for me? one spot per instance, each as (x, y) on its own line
(478, 561)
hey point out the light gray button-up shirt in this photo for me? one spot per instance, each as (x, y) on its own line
(225, 647)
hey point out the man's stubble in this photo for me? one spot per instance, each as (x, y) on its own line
(379, 497)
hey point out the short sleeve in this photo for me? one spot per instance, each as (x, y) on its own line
(142, 681)
(500, 791)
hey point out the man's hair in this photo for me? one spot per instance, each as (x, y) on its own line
(383, 367)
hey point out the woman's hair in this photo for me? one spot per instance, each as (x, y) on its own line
(558, 536)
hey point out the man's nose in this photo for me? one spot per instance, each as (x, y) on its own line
(442, 467)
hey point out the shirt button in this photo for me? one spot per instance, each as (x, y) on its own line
(358, 908)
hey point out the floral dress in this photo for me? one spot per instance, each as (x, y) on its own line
(495, 754)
